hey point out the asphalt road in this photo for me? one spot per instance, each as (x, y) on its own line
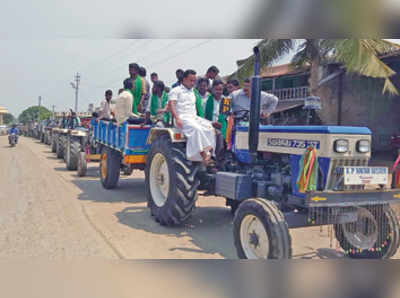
(48, 211)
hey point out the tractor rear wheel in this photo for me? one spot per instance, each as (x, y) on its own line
(171, 182)
(375, 235)
(110, 168)
(260, 231)
(82, 164)
(64, 139)
(74, 150)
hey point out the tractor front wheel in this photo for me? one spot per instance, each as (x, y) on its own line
(53, 144)
(260, 231)
(171, 182)
(110, 168)
(74, 149)
(60, 147)
(375, 234)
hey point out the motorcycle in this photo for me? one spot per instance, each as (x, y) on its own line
(12, 139)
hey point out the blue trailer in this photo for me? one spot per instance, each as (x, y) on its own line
(124, 147)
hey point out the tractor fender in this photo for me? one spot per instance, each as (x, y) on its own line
(174, 134)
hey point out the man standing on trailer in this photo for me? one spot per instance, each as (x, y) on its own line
(124, 102)
(146, 96)
(139, 87)
(106, 112)
(199, 132)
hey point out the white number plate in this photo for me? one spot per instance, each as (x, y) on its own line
(365, 175)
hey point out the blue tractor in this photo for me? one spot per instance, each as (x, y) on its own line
(274, 178)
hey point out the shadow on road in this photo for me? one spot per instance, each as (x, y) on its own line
(209, 229)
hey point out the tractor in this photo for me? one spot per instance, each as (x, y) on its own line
(81, 148)
(274, 178)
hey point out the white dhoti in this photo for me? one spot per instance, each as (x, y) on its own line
(199, 132)
(200, 135)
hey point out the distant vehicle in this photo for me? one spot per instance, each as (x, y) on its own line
(3, 130)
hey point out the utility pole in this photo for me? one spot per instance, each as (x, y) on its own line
(53, 108)
(40, 104)
(75, 85)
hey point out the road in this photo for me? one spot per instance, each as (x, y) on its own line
(48, 211)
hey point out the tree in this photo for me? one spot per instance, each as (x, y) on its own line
(357, 55)
(32, 114)
(8, 118)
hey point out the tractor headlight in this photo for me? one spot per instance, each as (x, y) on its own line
(363, 146)
(341, 146)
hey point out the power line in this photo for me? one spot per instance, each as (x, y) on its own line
(165, 59)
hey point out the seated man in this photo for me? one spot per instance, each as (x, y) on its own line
(213, 113)
(158, 104)
(74, 121)
(124, 104)
(199, 132)
(241, 100)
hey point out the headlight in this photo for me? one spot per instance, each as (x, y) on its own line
(341, 146)
(363, 146)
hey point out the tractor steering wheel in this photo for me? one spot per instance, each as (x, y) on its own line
(241, 115)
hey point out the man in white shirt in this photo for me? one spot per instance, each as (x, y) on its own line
(199, 132)
(106, 112)
(124, 102)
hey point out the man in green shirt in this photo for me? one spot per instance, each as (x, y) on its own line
(139, 88)
(158, 104)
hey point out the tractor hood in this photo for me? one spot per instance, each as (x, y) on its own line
(347, 130)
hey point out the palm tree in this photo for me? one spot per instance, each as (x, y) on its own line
(357, 55)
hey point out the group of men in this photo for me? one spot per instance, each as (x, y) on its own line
(196, 105)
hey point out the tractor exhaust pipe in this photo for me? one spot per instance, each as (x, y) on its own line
(255, 108)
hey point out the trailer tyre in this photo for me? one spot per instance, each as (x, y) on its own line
(73, 155)
(60, 147)
(110, 168)
(375, 236)
(171, 182)
(260, 231)
(53, 144)
(82, 164)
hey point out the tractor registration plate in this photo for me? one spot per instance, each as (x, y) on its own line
(365, 175)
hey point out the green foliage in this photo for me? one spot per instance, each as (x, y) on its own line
(357, 55)
(32, 114)
(8, 118)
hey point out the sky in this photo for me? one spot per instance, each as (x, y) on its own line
(33, 68)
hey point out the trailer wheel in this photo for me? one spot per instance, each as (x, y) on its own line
(260, 231)
(74, 150)
(82, 164)
(53, 144)
(171, 182)
(375, 235)
(110, 168)
(60, 147)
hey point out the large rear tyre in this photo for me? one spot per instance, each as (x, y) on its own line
(64, 140)
(41, 137)
(60, 147)
(260, 231)
(375, 235)
(171, 182)
(73, 152)
(110, 168)
(82, 164)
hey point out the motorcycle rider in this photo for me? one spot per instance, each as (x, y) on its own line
(13, 130)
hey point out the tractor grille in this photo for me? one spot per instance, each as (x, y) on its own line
(335, 178)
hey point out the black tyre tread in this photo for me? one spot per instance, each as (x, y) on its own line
(113, 168)
(53, 144)
(74, 152)
(60, 148)
(391, 249)
(82, 165)
(274, 223)
(183, 189)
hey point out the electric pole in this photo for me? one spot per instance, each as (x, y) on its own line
(75, 85)
(53, 108)
(40, 103)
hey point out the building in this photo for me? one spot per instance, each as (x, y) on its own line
(3, 111)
